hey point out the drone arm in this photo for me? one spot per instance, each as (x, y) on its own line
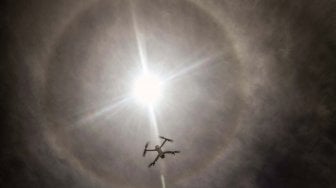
(153, 163)
(150, 150)
(157, 157)
(163, 143)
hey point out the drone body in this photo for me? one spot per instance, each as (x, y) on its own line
(158, 149)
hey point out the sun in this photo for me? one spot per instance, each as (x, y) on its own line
(147, 89)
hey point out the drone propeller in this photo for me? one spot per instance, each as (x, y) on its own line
(145, 150)
(170, 140)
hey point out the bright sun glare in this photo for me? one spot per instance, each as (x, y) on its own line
(147, 89)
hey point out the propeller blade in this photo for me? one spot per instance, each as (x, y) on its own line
(145, 150)
(170, 140)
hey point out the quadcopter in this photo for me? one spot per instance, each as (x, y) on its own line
(159, 150)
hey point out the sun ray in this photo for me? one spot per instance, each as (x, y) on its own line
(115, 107)
(163, 182)
(196, 65)
(153, 123)
(139, 40)
(143, 60)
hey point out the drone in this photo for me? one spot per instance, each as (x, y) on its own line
(158, 149)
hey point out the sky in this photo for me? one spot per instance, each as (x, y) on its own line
(248, 93)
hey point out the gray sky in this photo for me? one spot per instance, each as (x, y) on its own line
(248, 98)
